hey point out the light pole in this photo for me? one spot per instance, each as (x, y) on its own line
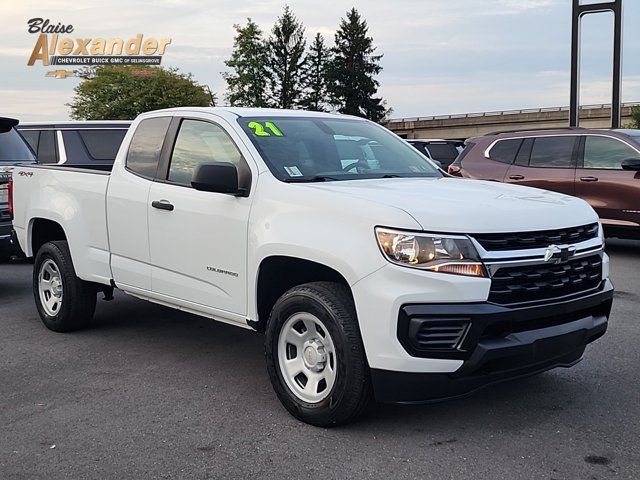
(578, 11)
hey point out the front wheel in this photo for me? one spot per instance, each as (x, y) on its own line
(315, 357)
(64, 301)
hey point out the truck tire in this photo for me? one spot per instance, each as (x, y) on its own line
(315, 356)
(64, 302)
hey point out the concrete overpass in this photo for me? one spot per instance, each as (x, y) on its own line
(467, 125)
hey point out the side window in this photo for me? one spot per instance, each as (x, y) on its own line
(32, 137)
(47, 147)
(146, 145)
(604, 152)
(199, 142)
(552, 152)
(522, 158)
(102, 144)
(505, 151)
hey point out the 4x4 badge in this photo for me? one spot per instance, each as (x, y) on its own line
(557, 254)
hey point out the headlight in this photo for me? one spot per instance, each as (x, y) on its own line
(434, 252)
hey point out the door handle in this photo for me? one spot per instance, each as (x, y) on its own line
(516, 177)
(588, 179)
(162, 205)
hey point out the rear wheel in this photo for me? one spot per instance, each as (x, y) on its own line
(64, 301)
(315, 356)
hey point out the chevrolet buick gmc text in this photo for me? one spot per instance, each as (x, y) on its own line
(335, 238)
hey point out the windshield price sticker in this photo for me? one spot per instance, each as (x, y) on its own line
(266, 129)
(293, 171)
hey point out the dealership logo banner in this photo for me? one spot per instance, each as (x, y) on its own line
(55, 46)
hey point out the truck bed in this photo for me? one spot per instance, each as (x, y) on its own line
(71, 196)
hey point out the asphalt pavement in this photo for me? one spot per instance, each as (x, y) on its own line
(150, 392)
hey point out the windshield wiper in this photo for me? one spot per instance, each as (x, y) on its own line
(315, 178)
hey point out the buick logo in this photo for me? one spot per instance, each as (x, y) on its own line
(557, 254)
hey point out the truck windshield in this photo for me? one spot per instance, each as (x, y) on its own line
(299, 149)
(13, 148)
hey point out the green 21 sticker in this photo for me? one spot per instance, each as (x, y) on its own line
(264, 130)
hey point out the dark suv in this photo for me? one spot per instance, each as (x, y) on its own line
(599, 166)
(13, 150)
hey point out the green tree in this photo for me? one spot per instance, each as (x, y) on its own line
(123, 92)
(286, 59)
(353, 69)
(635, 115)
(315, 95)
(247, 82)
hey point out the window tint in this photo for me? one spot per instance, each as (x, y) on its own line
(47, 147)
(522, 158)
(443, 151)
(505, 150)
(200, 142)
(102, 144)
(146, 144)
(603, 152)
(554, 152)
(32, 137)
(13, 147)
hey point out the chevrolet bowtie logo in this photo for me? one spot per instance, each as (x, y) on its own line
(559, 254)
(61, 73)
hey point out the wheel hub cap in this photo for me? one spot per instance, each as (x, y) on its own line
(307, 357)
(315, 357)
(50, 287)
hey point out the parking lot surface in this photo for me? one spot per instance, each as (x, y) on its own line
(150, 392)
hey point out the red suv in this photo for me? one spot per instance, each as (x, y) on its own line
(599, 166)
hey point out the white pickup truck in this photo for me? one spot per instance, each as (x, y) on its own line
(372, 273)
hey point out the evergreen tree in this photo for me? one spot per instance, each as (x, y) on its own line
(353, 69)
(315, 94)
(286, 59)
(247, 83)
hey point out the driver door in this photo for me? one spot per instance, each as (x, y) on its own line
(198, 239)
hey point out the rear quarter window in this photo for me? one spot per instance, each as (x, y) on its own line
(102, 144)
(145, 147)
(505, 151)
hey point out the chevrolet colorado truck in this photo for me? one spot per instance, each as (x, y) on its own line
(333, 237)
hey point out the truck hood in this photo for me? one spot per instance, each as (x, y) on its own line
(469, 206)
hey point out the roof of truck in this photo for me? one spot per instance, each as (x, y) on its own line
(255, 112)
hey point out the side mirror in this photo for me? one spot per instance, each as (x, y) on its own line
(631, 164)
(219, 177)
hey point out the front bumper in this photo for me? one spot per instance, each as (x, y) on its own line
(500, 343)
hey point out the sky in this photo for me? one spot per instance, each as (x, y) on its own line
(440, 56)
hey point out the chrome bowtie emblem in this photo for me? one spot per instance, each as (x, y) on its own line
(557, 254)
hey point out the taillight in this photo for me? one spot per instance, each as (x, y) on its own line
(10, 194)
(454, 170)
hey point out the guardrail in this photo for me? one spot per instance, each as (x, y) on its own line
(507, 112)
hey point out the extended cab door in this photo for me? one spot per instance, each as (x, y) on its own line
(198, 239)
(614, 193)
(127, 201)
(546, 162)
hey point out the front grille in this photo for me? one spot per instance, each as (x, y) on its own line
(540, 239)
(538, 282)
(439, 335)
